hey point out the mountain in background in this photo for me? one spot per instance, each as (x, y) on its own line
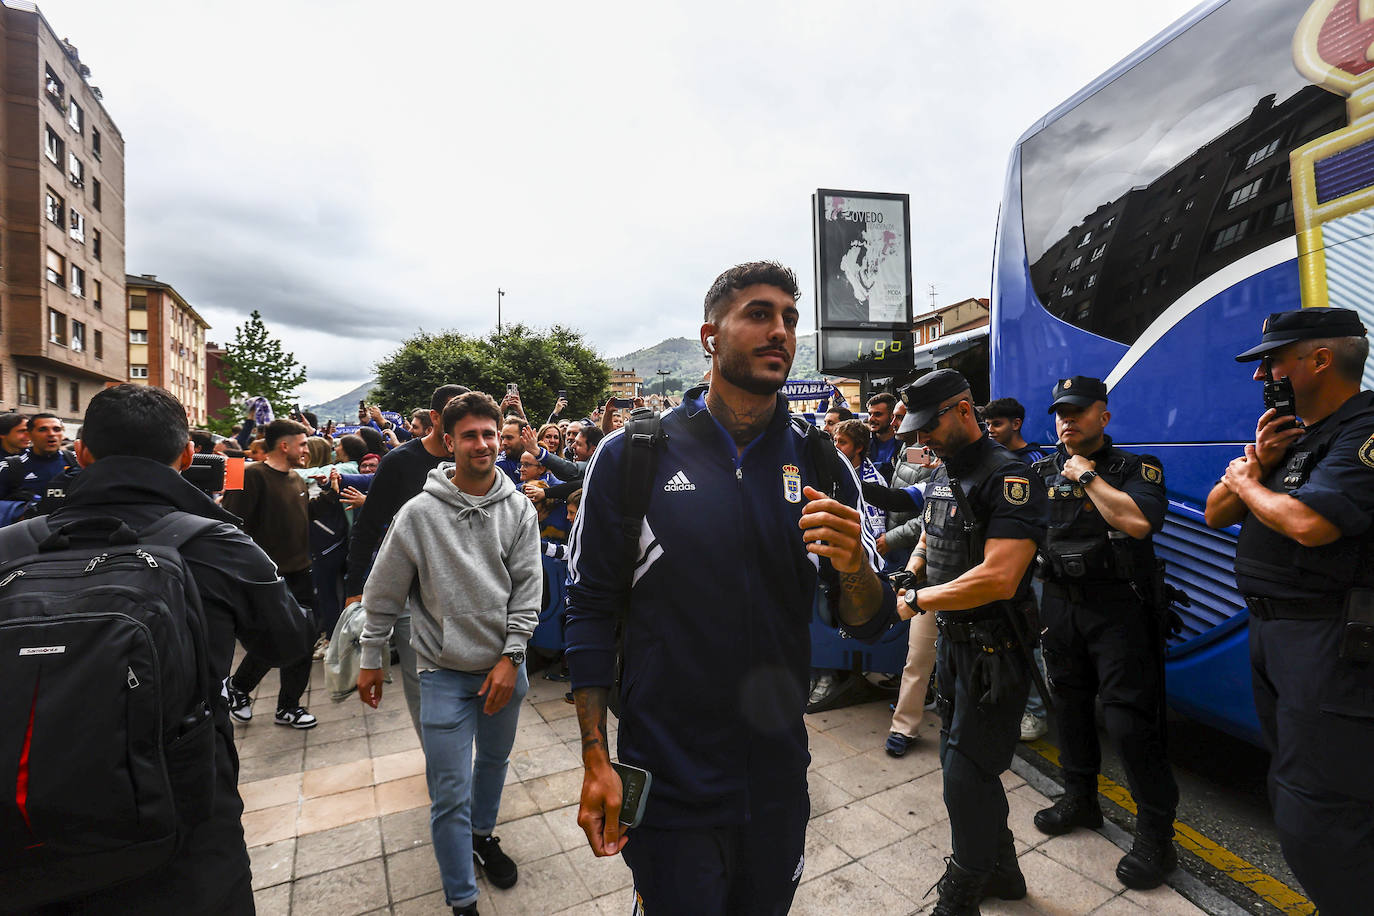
(681, 358)
(685, 363)
(344, 408)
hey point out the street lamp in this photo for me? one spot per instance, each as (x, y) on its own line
(663, 382)
(499, 293)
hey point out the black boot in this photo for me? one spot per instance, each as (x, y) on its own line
(1006, 881)
(1152, 856)
(1072, 810)
(960, 891)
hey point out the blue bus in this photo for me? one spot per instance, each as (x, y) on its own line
(1149, 225)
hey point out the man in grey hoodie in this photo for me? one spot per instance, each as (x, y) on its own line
(465, 551)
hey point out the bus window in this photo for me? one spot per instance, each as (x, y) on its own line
(1172, 171)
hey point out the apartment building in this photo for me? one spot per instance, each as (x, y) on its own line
(62, 317)
(167, 343)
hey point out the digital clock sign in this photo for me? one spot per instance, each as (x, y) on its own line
(873, 353)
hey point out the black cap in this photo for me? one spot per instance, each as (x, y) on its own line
(924, 396)
(1082, 390)
(1283, 328)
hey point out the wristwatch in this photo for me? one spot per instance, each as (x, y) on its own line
(1087, 477)
(516, 656)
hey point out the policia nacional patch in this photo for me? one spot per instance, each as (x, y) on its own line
(1016, 490)
(1153, 474)
(1366, 452)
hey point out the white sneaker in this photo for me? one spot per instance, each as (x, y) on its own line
(321, 647)
(240, 703)
(1033, 728)
(296, 718)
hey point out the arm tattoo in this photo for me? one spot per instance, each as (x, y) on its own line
(861, 595)
(745, 425)
(591, 718)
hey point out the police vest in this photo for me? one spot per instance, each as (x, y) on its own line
(1264, 554)
(955, 526)
(1079, 545)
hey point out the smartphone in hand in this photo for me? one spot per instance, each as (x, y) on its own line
(634, 792)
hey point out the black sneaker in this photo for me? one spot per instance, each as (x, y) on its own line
(1150, 859)
(1070, 811)
(240, 703)
(469, 910)
(296, 718)
(499, 867)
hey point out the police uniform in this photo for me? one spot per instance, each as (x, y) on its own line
(1315, 699)
(984, 675)
(1102, 637)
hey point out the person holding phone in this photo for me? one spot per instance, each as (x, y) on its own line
(716, 589)
(1304, 498)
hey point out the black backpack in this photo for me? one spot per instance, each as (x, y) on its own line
(644, 435)
(107, 737)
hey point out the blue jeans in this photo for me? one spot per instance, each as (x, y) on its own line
(465, 797)
(1035, 704)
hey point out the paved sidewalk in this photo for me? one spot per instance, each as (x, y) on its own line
(336, 820)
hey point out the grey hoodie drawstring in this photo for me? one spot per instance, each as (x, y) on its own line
(466, 511)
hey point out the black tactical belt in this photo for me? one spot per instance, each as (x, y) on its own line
(980, 630)
(1086, 592)
(1323, 608)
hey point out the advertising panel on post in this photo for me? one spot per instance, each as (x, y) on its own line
(863, 260)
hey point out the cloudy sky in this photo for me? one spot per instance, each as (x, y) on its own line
(357, 171)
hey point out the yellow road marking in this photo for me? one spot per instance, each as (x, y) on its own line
(1266, 886)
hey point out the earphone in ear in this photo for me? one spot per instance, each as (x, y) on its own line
(711, 344)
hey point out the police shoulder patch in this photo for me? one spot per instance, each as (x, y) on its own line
(1151, 472)
(1016, 490)
(1366, 452)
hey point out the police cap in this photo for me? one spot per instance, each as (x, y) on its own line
(1283, 328)
(924, 396)
(1081, 390)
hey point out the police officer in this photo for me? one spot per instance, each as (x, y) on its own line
(1304, 497)
(1103, 626)
(983, 522)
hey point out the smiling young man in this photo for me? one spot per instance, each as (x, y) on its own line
(463, 555)
(716, 589)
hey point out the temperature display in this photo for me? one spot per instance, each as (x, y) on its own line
(866, 352)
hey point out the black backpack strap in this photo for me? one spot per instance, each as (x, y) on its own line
(643, 435)
(820, 452)
(175, 529)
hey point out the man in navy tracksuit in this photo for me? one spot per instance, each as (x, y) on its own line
(719, 595)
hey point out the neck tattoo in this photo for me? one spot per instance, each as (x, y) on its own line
(744, 424)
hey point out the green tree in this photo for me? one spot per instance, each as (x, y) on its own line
(256, 365)
(541, 363)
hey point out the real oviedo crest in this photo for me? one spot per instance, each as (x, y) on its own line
(791, 483)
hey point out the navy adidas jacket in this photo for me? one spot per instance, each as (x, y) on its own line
(720, 591)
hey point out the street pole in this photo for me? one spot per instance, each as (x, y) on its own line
(663, 382)
(499, 293)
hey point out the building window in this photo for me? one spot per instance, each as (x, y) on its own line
(1090, 281)
(50, 392)
(57, 327)
(1085, 239)
(97, 299)
(136, 371)
(54, 88)
(1154, 250)
(99, 345)
(78, 224)
(76, 117)
(136, 336)
(138, 301)
(28, 388)
(75, 389)
(1076, 263)
(1282, 210)
(1066, 292)
(1176, 240)
(53, 147)
(95, 243)
(76, 171)
(1201, 173)
(95, 193)
(1162, 278)
(1245, 192)
(1263, 153)
(1230, 235)
(95, 143)
(1188, 204)
(54, 208)
(1108, 223)
(56, 267)
(1098, 252)
(78, 282)
(78, 336)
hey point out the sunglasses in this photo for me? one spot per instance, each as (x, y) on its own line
(935, 420)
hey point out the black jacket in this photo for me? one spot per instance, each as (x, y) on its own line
(244, 598)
